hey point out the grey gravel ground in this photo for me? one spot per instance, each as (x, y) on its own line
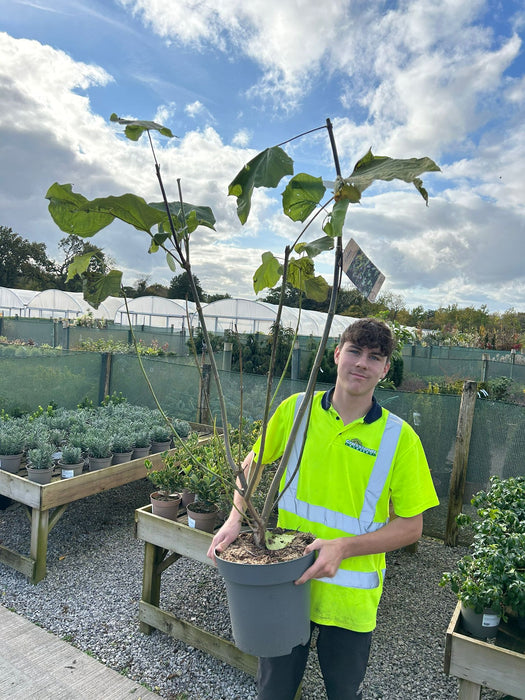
(91, 593)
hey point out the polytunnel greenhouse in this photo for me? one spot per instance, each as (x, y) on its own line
(53, 303)
(240, 315)
(156, 311)
(247, 316)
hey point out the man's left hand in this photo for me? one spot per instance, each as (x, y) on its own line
(327, 562)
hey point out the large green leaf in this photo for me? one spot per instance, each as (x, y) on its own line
(301, 275)
(265, 170)
(320, 245)
(317, 288)
(67, 208)
(268, 273)
(299, 270)
(130, 209)
(73, 213)
(335, 222)
(301, 196)
(98, 287)
(195, 216)
(371, 168)
(136, 127)
(78, 266)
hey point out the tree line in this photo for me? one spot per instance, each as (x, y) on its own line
(26, 265)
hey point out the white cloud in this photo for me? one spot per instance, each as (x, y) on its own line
(413, 78)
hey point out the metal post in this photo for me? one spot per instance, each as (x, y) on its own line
(296, 361)
(227, 356)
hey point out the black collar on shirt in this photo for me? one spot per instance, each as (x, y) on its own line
(373, 414)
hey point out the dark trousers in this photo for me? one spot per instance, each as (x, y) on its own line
(343, 658)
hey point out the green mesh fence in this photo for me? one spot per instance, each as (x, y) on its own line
(176, 384)
(28, 380)
(32, 377)
(38, 331)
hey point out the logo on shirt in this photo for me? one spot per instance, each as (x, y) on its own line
(357, 445)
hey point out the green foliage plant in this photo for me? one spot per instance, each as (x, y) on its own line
(170, 479)
(12, 438)
(71, 454)
(41, 457)
(168, 227)
(99, 444)
(142, 438)
(492, 574)
(160, 433)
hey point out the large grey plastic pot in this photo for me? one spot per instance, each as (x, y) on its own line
(481, 625)
(269, 614)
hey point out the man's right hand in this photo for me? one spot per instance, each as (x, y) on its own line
(223, 537)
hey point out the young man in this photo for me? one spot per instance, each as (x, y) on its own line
(358, 459)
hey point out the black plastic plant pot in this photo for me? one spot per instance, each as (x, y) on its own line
(269, 614)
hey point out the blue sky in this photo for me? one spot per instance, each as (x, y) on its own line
(409, 78)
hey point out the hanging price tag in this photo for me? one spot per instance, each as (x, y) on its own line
(362, 271)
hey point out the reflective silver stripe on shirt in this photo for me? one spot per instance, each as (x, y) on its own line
(340, 521)
(354, 579)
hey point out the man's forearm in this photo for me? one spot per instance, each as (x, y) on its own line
(239, 504)
(398, 533)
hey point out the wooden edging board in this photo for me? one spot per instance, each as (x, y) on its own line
(478, 663)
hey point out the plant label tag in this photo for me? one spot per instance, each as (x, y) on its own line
(191, 522)
(490, 620)
(68, 473)
(362, 271)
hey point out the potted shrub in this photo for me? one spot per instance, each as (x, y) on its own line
(123, 443)
(142, 442)
(160, 437)
(12, 445)
(40, 463)
(175, 221)
(99, 449)
(71, 462)
(170, 481)
(490, 580)
(205, 481)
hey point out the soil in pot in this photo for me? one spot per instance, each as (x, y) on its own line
(245, 551)
(269, 614)
(165, 506)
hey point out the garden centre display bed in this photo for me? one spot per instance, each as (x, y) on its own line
(46, 503)
(165, 541)
(500, 666)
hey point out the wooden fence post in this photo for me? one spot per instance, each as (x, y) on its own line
(484, 366)
(105, 376)
(203, 407)
(459, 467)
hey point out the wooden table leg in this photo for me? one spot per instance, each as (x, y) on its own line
(153, 557)
(468, 690)
(39, 534)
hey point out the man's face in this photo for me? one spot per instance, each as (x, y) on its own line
(359, 369)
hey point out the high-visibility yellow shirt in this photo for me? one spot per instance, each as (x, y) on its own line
(336, 484)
